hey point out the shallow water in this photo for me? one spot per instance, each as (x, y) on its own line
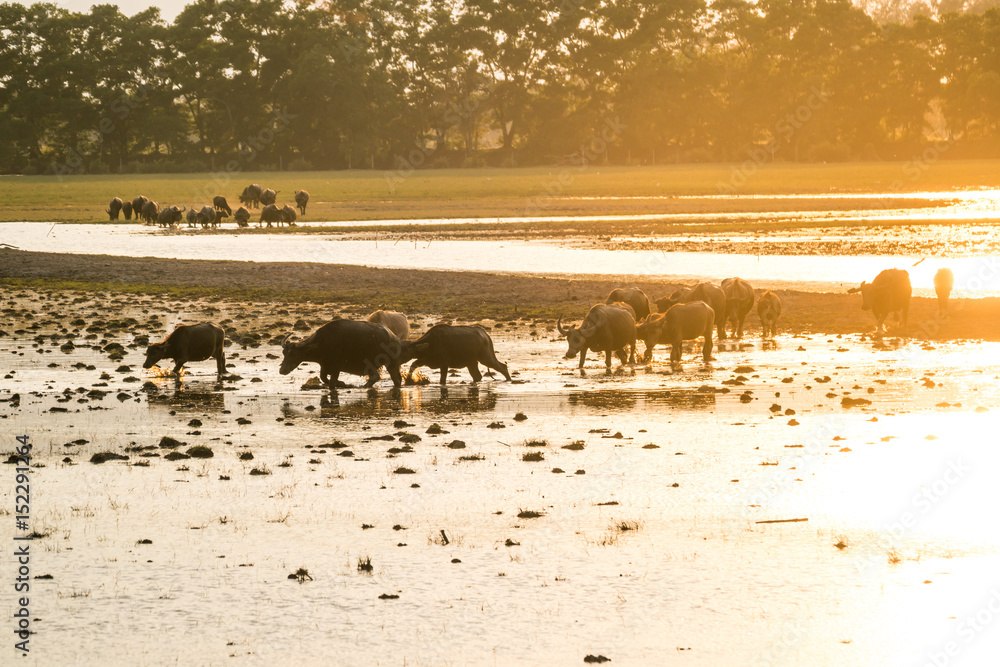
(976, 276)
(693, 576)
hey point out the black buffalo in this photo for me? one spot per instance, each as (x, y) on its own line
(446, 346)
(393, 321)
(301, 199)
(888, 293)
(768, 309)
(251, 196)
(242, 216)
(206, 216)
(190, 342)
(358, 348)
(269, 214)
(192, 218)
(220, 204)
(634, 297)
(288, 215)
(114, 209)
(605, 329)
(268, 197)
(170, 216)
(707, 292)
(681, 322)
(137, 205)
(944, 281)
(739, 302)
(127, 210)
(150, 212)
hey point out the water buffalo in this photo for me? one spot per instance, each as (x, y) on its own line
(358, 348)
(605, 329)
(739, 302)
(137, 205)
(150, 212)
(114, 209)
(269, 214)
(768, 309)
(288, 215)
(127, 210)
(190, 342)
(220, 204)
(251, 196)
(944, 281)
(707, 292)
(888, 293)
(170, 216)
(268, 197)
(446, 346)
(393, 321)
(681, 322)
(242, 216)
(220, 217)
(192, 218)
(301, 199)
(206, 216)
(634, 297)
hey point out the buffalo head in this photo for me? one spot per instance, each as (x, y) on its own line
(867, 294)
(293, 355)
(576, 338)
(154, 353)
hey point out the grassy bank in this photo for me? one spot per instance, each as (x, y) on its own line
(484, 193)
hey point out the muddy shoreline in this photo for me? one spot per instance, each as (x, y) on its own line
(467, 295)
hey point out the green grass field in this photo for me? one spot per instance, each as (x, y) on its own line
(486, 193)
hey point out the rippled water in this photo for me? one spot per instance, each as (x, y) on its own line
(975, 276)
(693, 576)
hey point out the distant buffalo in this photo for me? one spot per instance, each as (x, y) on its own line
(288, 215)
(206, 216)
(889, 293)
(192, 218)
(137, 205)
(768, 309)
(127, 210)
(944, 281)
(190, 342)
(242, 217)
(251, 196)
(220, 204)
(707, 292)
(268, 197)
(150, 212)
(170, 216)
(114, 209)
(634, 297)
(301, 199)
(269, 214)
(446, 346)
(739, 302)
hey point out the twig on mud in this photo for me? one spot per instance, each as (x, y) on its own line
(781, 520)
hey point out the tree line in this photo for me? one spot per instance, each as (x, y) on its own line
(405, 84)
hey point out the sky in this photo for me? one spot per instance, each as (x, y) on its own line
(168, 8)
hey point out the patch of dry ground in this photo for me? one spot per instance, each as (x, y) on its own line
(468, 294)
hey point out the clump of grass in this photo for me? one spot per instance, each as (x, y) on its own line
(472, 457)
(263, 470)
(175, 456)
(520, 417)
(536, 443)
(894, 557)
(101, 457)
(533, 456)
(365, 564)
(301, 575)
(529, 514)
(166, 442)
(626, 526)
(575, 446)
(402, 470)
(246, 456)
(200, 452)
(841, 542)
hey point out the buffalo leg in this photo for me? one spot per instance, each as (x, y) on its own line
(444, 374)
(409, 374)
(177, 365)
(583, 357)
(220, 358)
(334, 378)
(706, 350)
(474, 372)
(397, 379)
(373, 378)
(676, 349)
(607, 360)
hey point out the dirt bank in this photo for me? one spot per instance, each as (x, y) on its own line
(468, 295)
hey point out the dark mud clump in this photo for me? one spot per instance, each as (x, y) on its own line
(101, 457)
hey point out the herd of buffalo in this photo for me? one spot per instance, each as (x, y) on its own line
(252, 197)
(614, 327)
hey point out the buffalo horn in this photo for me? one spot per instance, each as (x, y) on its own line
(559, 326)
(284, 341)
